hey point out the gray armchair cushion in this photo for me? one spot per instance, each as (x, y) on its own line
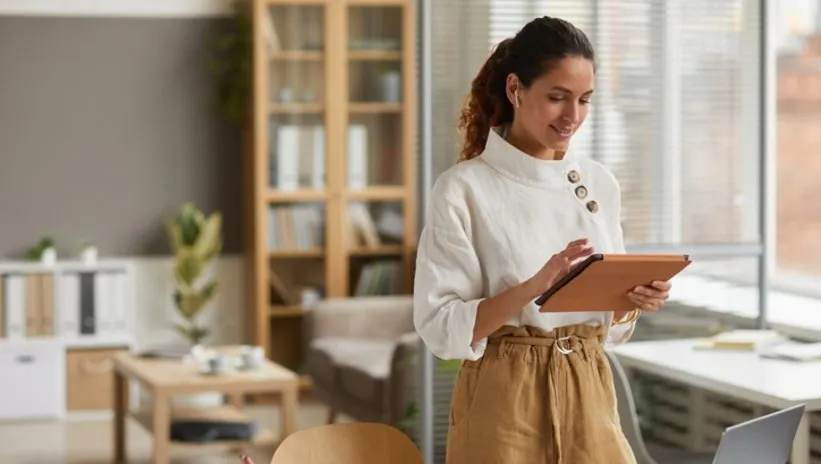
(381, 317)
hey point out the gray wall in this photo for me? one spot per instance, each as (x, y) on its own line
(106, 126)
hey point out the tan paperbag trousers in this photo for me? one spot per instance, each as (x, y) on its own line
(537, 397)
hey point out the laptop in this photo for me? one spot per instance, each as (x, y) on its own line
(764, 440)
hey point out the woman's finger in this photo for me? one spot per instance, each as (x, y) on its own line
(638, 299)
(576, 252)
(644, 302)
(661, 285)
(651, 292)
(578, 241)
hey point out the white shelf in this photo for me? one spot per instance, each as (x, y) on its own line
(107, 296)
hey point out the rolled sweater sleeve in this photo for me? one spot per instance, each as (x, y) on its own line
(447, 284)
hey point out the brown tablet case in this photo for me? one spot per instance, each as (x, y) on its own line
(602, 281)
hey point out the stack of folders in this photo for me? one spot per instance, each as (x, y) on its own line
(766, 343)
(742, 339)
(793, 351)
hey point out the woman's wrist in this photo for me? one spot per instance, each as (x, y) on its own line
(625, 317)
(529, 289)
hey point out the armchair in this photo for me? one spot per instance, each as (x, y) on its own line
(358, 354)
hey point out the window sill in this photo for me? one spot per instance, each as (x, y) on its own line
(796, 315)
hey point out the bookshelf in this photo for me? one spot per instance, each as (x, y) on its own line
(331, 160)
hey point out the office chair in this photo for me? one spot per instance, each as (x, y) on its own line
(630, 425)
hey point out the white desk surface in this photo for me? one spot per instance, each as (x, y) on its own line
(741, 374)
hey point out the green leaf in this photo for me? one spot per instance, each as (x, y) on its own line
(174, 233)
(188, 267)
(192, 333)
(209, 241)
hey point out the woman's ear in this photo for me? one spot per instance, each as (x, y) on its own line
(512, 89)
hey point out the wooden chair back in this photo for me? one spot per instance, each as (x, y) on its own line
(356, 443)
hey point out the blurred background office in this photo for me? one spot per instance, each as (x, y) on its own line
(314, 129)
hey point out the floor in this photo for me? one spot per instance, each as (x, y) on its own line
(84, 441)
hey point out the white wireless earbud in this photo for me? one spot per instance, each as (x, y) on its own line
(516, 97)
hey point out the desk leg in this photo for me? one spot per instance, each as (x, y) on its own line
(801, 444)
(161, 426)
(120, 410)
(289, 405)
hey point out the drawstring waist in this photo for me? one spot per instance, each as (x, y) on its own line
(565, 345)
(564, 341)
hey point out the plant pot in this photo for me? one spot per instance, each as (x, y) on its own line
(49, 256)
(89, 255)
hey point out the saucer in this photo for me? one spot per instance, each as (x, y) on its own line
(205, 370)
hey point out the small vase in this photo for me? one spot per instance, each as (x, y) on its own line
(89, 255)
(49, 257)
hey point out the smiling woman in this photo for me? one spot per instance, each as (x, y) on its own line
(504, 224)
(545, 76)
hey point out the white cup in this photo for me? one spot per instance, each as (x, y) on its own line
(218, 364)
(252, 356)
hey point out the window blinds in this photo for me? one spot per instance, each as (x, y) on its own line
(675, 115)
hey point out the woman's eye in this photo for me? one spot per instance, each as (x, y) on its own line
(584, 102)
(555, 98)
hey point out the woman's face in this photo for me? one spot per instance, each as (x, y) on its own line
(556, 104)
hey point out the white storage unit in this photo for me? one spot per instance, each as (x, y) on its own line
(58, 323)
(33, 378)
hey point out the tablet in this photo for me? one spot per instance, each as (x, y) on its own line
(602, 281)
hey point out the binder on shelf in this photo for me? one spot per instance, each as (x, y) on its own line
(15, 302)
(70, 302)
(357, 156)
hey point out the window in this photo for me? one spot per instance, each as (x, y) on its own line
(798, 181)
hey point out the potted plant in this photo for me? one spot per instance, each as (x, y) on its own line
(232, 64)
(195, 241)
(45, 251)
(88, 252)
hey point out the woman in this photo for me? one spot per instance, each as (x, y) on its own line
(504, 224)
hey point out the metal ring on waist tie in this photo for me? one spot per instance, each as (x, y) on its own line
(561, 348)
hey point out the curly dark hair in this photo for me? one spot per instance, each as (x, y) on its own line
(529, 54)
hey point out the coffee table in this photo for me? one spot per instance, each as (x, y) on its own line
(166, 378)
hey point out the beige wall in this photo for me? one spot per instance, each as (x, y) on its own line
(106, 126)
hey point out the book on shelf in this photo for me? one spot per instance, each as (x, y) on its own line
(363, 230)
(379, 278)
(27, 305)
(299, 226)
(281, 293)
(297, 157)
(81, 304)
(357, 156)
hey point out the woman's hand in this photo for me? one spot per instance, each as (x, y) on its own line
(557, 267)
(650, 297)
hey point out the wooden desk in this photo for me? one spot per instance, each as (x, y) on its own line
(739, 374)
(166, 378)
